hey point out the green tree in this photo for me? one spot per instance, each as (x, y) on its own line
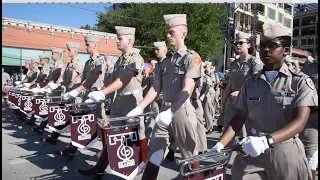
(88, 27)
(205, 24)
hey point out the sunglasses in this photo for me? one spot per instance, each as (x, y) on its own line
(268, 46)
(240, 43)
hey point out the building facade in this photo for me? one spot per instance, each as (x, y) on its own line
(23, 40)
(305, 28)
(249, 18)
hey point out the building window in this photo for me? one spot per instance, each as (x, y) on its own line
(310, 41)
(295, 32)
(295, 42)
(308, 31)
(280, 17)
(287, 22)
(309, 20)
(296, 22)
(303, 42)
(271, 14)
(287, 8)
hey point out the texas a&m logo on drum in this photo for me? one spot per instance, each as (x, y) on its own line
(59, 117)
(124, 152)
(42, 106)
(84, 128)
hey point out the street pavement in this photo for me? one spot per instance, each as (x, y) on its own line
(25, 157)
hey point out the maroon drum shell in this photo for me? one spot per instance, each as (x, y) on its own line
(76, 122)
(113, 147)
(53, 110)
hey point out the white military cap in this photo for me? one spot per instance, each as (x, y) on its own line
(92, 39)
(242, 35)
(73, 45)
(136, 50)
(273, 30)
(42, 56)
(208, 63)
(173, 20)
(27, 62)
(57, 50)
(288, 59)
(159, 44)
(35, 60)
(121, 30)
(154, 62)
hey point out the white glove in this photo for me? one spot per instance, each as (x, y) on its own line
(217, 148)
(136, 111)
(27, 85)
(202, 97)
(17, 83)
(74, 93)
(35, 90)
(53, 86)
(20, 86)
(254, 146)
(66, 96)
(48, 90)
(165, 118)
(97, 96)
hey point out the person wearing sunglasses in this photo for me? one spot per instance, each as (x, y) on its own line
(275, 103)
(242, 67)
(309, 136)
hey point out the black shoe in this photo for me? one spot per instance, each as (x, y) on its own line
(209, 131)
(170, 155)
(66, 153)
(36, 130)
(49, 140)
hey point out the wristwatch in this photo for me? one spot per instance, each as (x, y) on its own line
(270, 140)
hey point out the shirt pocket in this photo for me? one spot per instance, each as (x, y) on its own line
(179, 68)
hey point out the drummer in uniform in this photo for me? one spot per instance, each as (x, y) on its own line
(32, 75)
(127, 78)
(276, 102)
(208, 98)
(91, 80)
(309, 136)
(53, 77)
(70, 79)
(176, 76)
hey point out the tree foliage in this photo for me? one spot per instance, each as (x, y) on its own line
(88, 27)
(205, 24)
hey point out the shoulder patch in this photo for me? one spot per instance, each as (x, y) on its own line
(197, 60)
(310, 83)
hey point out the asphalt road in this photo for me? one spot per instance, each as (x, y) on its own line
(25, 157)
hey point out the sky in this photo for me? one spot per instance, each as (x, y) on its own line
(56, 14)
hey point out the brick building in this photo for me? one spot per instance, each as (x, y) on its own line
(23, 40)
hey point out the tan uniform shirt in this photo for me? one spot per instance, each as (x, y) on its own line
(312, 71)
(130, 61)
(108, 76)
(239, 72)
(269, 106)
(96, 63)
(174, 69)
(57, 65)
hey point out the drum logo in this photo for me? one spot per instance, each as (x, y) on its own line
(217, 177)
(84, 129)
(28, 103)
(43, 107)
(59, 117)
(124, 152)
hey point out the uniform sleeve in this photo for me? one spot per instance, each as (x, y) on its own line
(78, 67)
(46, 70)
(307, 94)
(100, 64)
(135, 63)
(257, 66)
(193, 66)
(241, 100)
